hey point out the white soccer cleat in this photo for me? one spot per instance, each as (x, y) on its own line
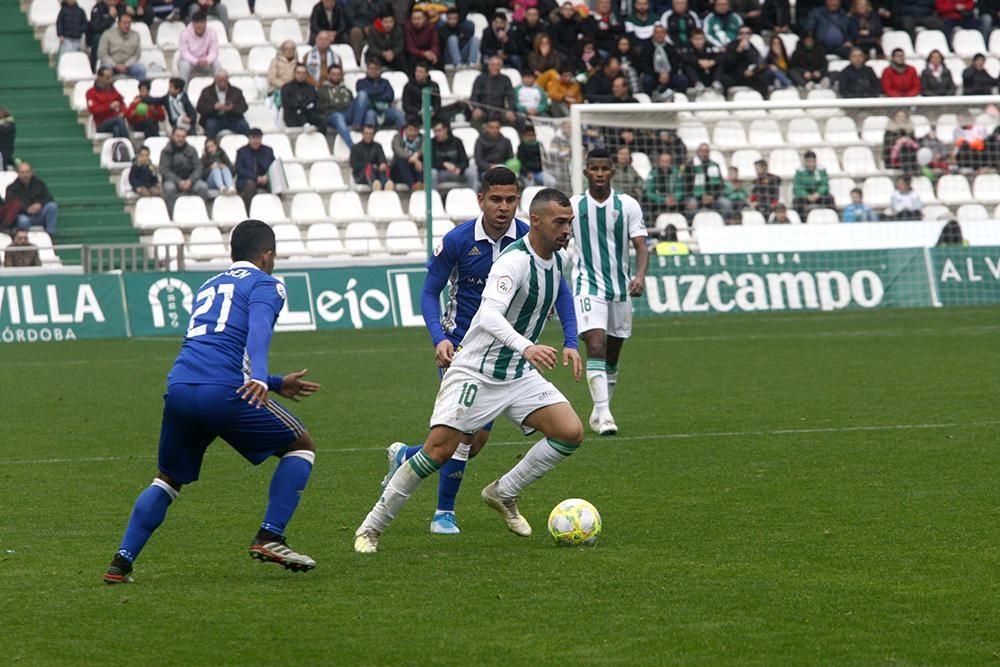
(607, 425)
(595, 421)
(508, 510)
(394, 453)
(366, 541)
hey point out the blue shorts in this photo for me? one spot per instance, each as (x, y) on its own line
(489, 427)
(196, 414)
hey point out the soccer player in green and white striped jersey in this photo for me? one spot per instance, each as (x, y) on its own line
(605, 223)
(498, 371)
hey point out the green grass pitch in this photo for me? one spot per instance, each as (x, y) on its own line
(785, 489)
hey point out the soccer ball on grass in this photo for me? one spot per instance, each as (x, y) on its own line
(574, 522)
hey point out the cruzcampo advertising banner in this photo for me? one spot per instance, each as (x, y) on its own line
(56, 308)
(362, 297)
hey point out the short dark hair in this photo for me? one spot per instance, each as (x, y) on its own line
(145, 83)
(199, 16)
(102, 69)
(761, 161)
(896, 50)
(422, 63)
(597, 154)
(498, 15)
(177, 82)
(809, 155)
(498, 175)
(546, 195)
(452, 10)
(251, 239)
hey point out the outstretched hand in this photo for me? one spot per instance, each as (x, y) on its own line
(541, 357)
(293, 386)
(569, 354)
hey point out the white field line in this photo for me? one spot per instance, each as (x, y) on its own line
(595, 439)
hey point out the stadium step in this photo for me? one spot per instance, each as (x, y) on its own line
(53, 141)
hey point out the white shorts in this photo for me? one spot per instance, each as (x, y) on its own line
(614, 317)
(468, 401)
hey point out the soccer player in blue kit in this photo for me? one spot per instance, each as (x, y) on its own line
(462, 262)
(218, 387)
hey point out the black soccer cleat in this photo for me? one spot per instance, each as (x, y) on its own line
(119, 572)
(271, 548)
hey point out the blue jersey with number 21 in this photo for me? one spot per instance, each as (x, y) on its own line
(232, 318)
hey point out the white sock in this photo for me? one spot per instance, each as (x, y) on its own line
(543, 456)
(403, 483)
(612, 380)
(462, 452)
(597, 381)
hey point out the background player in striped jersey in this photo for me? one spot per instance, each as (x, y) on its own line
(604, 224)
(462, 262)
(218, 387)
(498, 371)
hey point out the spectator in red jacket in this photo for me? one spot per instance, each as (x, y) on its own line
(106, 105)
(957, 14)
(144, 117)
(900, 79)
(421, 40)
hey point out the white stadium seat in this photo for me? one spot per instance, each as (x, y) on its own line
(526, 197)
(859, 161)
(150, 213)
(289, 240)
(190, 212)
(361, 238)
(750, 218)
(107, 148)
(968, 43)
(994, 45)
(969, 212)
(323, 238)
(441, 79)
(462, 204)
(166, 240)
(248, 33)
(693, 134)
(822, 216)
(986, 188)
(259, 59)
(43, 12)
(281, 146)
(228, 211)
(923, 187)
(74, 66)
(206, 243)
(784, 162)
(312, 147)
(744, 160)
(219, 28)
(826, 157)
(931, 40)
(237, 9)
(418, 205)
(326, 177)
(766, 133)
(841, 131)
(784, 95)
(803, 132)
(873, 128)
(384, 206)
(468, 136)
(385, 137)
(271, 9)
(267, 207)
(640, 162)
(295, 178)
(346, 207)
(231, 61)
(302, 9)
(307, 208)
(286, 29)
(877, 191)
(440, 227)
(232, 143)
(402, 237)
(840, 190)
(348, 61)
(897, 39)
(703, 219)
(461, 84)
(953, 189)
(729, 135)
(155, 146)
(168, 35)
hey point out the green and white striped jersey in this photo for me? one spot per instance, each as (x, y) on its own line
(602, 235)
(527, 286)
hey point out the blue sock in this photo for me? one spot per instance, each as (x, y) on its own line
(451, 478)
(411, 452)
(287, 485)
(147, 514)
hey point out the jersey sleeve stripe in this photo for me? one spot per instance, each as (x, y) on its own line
(621, 238)
(549, 299)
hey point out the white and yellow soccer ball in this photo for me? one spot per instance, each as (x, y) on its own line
(574, 522)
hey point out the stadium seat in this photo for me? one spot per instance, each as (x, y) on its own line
(151, 213)
(289, 240)
(168, 36)
(640, 162)
(923, 187)
(107, 148)
(878, 66)
(527, 195)
(676, 219)
(166, 241)
(307, 208)
(312, 147)
(840, 190)
(122, 188)
(953, 189)
(341, 153)
(206, 243)
(728, 135)
(74, 66)
(232, 143)
(513, 74)
(462, 204)
(248, 85)
(873, 129)
(931, 40)
(968, 43)
(262, 118)
(219, 28)
(969, 212)
(361, 238)
(346, 207)
(128, 87)
(248, 33)
(994, 44)
(841, 131)
(784, 95)
(693, 134)
(231, 61)
(945, 127)
(228, 211)
(743, 160)
(750, 218)
(145, 37)
(441, 79)
(190, 212)
(267, 207)
(826, 157)
(384, 206)
(859, 161)
(385, 137)
(793, 217)
(765, 133)
(826, 95)
(790, 40)
(513, 135)
(323, 238)
(748, 96)
(155, 146)
(302, 9)
(704, 219)
(440, 227)
(155, 62)
(803, 132)
(326, 177)
(237, 9)
(271, 9)
(784, 162)
(196, 85)
(712, 96)
(43, 12)
(43, 242)
(78, 98)
(284, 29)
(986, 188)
(461, 83)
(897, 39)
(295, 178)
(348, 61)
(281, 146)
(417, 206)
(996, 212)
(936, 212)
(822, 216)
(259, 59)
(468, 136)
(402, 237)
(877, 191)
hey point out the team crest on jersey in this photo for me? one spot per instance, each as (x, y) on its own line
(439, 248)
(281, 290)
(474, 252)
(505, 284)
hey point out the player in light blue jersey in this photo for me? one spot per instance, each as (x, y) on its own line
(462, 262)
(219, 387)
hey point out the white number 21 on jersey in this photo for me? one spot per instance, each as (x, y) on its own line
(205, 299)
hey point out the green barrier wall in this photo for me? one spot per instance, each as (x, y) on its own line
(56, 308)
